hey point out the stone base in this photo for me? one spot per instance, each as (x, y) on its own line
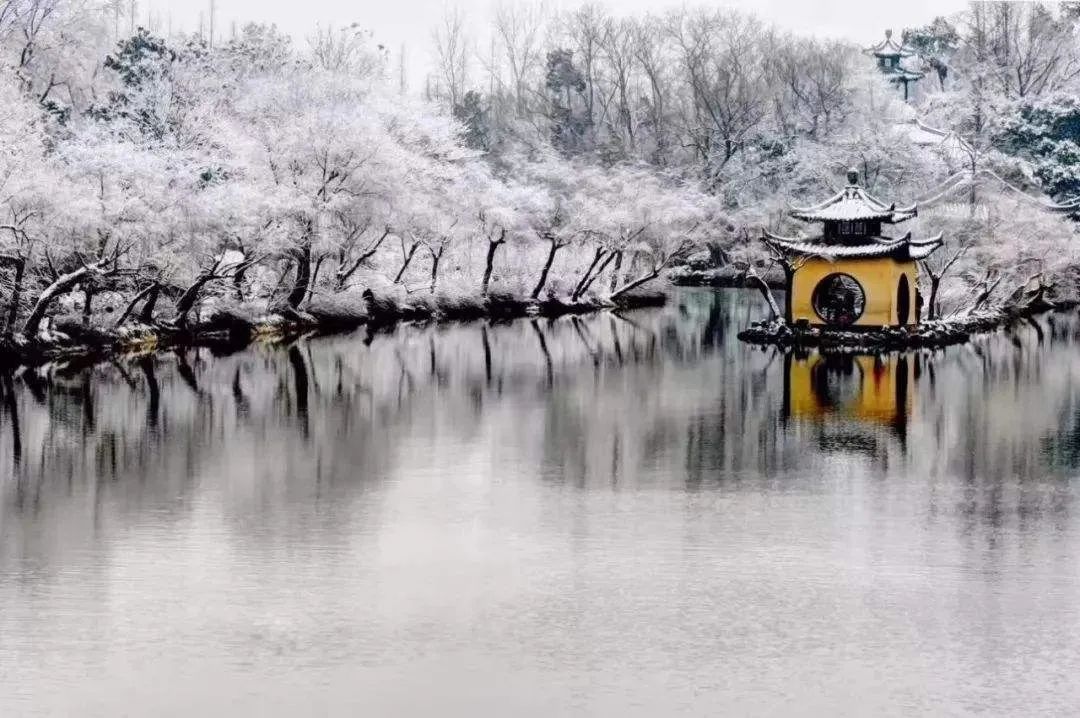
(928, 334)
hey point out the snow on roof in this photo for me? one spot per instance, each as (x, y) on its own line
(922, 249)
(889, 48)
(899, 248)
(899, 73)
(853, 203)
(952, 145)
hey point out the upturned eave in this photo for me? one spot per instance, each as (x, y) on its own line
(901, 248)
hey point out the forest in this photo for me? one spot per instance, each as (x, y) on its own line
(150, 177)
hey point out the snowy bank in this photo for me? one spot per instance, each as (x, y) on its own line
(231, 328)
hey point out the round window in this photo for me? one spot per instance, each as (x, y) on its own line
(839, 299)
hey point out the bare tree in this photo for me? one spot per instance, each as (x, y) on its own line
(349, 50)
(618, 45)
(452, 53)
(720, 54)
(584, 30)
(519, 29)
(650, 51)
(1032, 52)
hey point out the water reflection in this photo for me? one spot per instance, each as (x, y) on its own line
(850, 396)
(659, 396)
(482, 490)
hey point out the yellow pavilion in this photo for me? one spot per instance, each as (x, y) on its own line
(849, 275)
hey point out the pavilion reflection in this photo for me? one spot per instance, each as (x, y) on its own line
(852, 399)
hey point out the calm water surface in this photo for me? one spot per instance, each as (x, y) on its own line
(626, 515)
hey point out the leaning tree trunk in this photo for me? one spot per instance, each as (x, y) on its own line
(635, 283)
(988, 290)
(405, 264)
(766, 292)
(588, 281)
(143, 294)
(580, 286)
(615, 270)
(187, 300)
(314, 281)
(16, 294)
(555, 247)
(63, 284)
(343, 273)
(146, 316)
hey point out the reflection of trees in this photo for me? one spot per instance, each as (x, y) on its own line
(654, 397)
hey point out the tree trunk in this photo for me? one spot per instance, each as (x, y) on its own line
(146, 316)
(436, 257)
(489, 262)
(634, 284)
(238, 284)
(87, 307)
(615, 270)
(588, 273)
(63, 284)
(597, 273)
(303, 278)
(766, 292)
(342, 275)
(984, 296)
(146, 291)
(187, 300)
(405, 264)
(16, 294)
(555, 247)
(932, 309)
(315, 277)
(717, 256)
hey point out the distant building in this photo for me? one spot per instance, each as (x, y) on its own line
(890, 56)
(850, 275)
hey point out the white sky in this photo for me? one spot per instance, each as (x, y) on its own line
(410, 21)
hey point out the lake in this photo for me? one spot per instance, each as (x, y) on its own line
(611, 515)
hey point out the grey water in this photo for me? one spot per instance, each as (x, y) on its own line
(615, 515)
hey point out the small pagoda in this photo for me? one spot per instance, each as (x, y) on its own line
(849, 275)
(890, 56)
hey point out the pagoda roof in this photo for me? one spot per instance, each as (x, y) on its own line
(889, 48)
(902, 248)
(853, 203)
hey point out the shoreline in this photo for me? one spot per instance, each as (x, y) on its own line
(231, 330)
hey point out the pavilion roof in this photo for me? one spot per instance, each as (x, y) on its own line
(899, 248)
(851, 204)
(899, 73)
(889, 48)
